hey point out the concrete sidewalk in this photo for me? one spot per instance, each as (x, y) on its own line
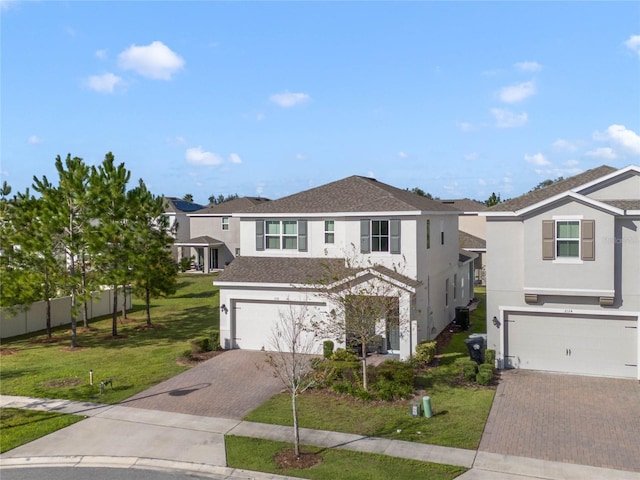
(115, 435)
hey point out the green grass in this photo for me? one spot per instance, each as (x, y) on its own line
(460, 411)
(138, 360)
(23, 426)
(256, 454)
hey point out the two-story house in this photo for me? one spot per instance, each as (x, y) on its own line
(472, 234)
(177, 210)
(408, 241)
(215, 233)
(563, 281)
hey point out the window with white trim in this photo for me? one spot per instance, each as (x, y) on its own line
(329, 231)
(225, 223)
(568, 239)
(379, 235)
(281, 235)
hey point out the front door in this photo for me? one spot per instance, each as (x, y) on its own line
(392, 328)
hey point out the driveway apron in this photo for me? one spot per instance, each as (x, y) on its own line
(229, 385)
(566, 418)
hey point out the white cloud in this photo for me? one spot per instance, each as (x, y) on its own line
(517, 93)
(235, 158)
(528, 66)
(572, 163)
(259, 189)
(602, 153)
(620, 136)
(34, 140)
(633, 43)
(507, 119)
(482, 182)
(300, 156)
(538, 159)
(289, 99)
(197, 156)
(101, 54)
(155, 60)
(465, 126)
(177, 141)
(564, 145)
(403, 154)
(472, 156)
(260, 117)
(106, 83)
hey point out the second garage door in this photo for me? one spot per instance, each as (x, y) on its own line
(603, 346)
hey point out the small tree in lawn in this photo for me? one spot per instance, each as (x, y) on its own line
(155, 273)
(362, 295)
(292, 340)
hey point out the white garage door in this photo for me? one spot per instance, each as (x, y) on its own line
(253, 321)
(571, 344)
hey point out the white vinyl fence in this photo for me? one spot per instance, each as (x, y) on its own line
(35, 317)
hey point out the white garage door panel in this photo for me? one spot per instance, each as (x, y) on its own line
(254, 323)
(591, 346)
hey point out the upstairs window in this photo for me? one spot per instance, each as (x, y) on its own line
(568, 239)
(428, 234)
(329, 231)
(281, 235)
(225, 223)
(380, 236)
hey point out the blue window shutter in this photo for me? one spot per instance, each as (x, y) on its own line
(302, 235)
(394, 231)
(365, 241)
(259, 235)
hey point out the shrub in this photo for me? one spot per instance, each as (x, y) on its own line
(395, 371)
(490, 357)
(469, 369)
(342, 355)
(485, 367)
(389, 390)
(425, 351)
(187, 354)
(215, 340)
(185, 263)
(484, 377)
(327, 348)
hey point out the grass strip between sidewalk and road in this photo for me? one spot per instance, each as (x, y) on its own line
(23, 426)
(258, 455)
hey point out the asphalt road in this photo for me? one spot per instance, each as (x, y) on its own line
(92, 473)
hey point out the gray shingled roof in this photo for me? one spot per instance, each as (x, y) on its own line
(351, 194)
(623, 204)
(464, 256)
(466, 205)
(203, 240)
(288, 270)
(175, 205)
(466, 240)
(237, 205)
(565, 185)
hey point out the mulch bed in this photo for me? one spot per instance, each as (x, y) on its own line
(286, 459)
(198, 358)
(153, 326)
(48, 340)
(8, 351)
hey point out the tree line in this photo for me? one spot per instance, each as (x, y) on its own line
(83, 232)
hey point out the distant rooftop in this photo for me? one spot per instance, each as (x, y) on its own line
(174, 204)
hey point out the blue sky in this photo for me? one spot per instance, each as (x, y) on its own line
(461, 99)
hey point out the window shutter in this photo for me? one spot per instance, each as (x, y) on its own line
(394, 228)
(548, 240)
(302, 235)
(259, 235)
(588, 240)
(365, 242)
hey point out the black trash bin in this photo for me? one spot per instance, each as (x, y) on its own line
(477, 344)
(462, 318)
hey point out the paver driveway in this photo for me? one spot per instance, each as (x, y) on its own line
(229, 385)
(566, 418)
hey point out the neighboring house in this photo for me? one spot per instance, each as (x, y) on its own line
(177, 210)
(397, 238)
(215, 234)
(473, 233)
(563, 282)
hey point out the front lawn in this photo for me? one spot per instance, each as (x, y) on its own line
(139, 358)
(460, 410)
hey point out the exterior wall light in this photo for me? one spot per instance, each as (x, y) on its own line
(224, 309)
(496, 322)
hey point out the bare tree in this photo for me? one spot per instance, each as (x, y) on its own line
(292, 341)
(364, 303)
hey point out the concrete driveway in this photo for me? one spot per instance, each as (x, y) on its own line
(229, 385)
(566, 418)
